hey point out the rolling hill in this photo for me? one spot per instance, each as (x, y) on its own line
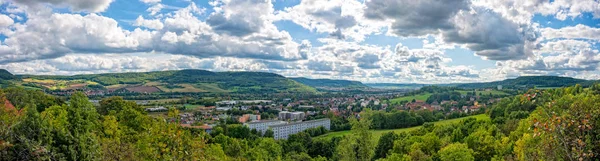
(193, 80)
(6, 78)
(331, 84)
(529, 82)
(5, 75)
(189, 80)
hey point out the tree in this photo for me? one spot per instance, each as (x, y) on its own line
(299, 142)
(386, 142)
(82, 118)
(116, 104)
(483, 144)
(418, 155)
(360, 145)
(297, 157)
(273, 149)
(456, 152)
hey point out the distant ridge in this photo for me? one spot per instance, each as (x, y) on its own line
(530, 81)
(396, 85)
(330, 83)
(196, 80)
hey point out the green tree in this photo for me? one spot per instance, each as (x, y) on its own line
(269, 133)
(483, 144)
(358, 146)
(386, 143)
(456, 152)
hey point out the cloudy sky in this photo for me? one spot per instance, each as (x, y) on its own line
(401, 41)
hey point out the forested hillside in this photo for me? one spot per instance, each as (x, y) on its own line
(553, 124)
(173, 81)
(529, 82)
(330, 83)
(5, 75)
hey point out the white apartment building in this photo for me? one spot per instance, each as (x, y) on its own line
(282, 131)
(263, 125)
(286, 115)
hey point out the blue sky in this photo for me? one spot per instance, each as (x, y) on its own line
(399, 41)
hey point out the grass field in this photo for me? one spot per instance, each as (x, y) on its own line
(189, 107)
(422, 97)
(211, 87)
(116, 86)
(494, 92)
(378, 133)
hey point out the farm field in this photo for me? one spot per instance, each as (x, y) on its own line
(379, 133)
(143, 89)
(421, 97)
(60, 84)
(160, 101)
(185, 88)
(210, 87)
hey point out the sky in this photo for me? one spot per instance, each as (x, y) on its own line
(373, 41)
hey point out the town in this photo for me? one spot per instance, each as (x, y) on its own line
(285, 116)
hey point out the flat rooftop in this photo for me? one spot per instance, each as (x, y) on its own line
(295, 123)
(263, 121)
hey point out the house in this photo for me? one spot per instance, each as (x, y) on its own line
(417, 105)
(248, 117)
(436, 106)
(285, 115)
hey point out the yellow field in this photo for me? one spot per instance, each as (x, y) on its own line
(60, 84)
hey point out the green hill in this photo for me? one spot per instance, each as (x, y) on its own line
(6, 78)
(5, 75)
(529, 82)
(189, 80)
(330, 84)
